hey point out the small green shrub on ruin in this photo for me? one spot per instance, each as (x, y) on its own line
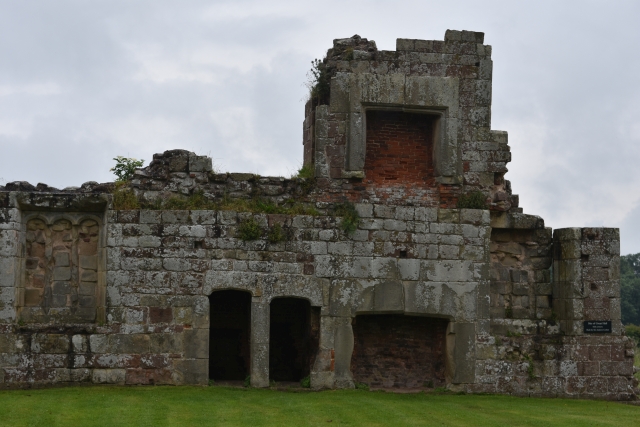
(249, 229)
(125, 167)
(124, 198)
(247, 381)
(473, 200)
(276, 234)
(319, 83)
(350, 217)
(306, 171)
(530, 373)
(362, 386)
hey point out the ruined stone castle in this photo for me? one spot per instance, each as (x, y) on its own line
(413, 287)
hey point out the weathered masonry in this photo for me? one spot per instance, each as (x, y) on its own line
(420, 292)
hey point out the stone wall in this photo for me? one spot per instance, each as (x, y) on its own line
(90, 292)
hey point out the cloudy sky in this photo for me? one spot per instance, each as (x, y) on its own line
(84, 81)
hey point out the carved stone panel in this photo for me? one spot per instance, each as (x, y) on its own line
(61, 270)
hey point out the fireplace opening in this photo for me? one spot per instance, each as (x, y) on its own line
(398, 351)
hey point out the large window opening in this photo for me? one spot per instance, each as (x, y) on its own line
(399, 148)
(293, 339)
(229, 335)
(398, 351)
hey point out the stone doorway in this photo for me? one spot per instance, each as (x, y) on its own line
(293, 338)
(229, 335)
(399, 351)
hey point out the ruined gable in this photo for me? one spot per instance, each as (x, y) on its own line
(377, 270)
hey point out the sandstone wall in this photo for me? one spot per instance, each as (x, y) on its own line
(93, 292)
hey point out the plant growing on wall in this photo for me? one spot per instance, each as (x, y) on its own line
(125, 167)
(306, 171)
(249, 230)
(318, 83)
(473, 200)
(350, 217)
(276, 234)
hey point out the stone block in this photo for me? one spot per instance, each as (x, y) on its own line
(50, 343)
(426, 214)
(343, 350)
(388, 297)
(447, 271)
(7, 272)
(200, 164)
(465, 351)
(384, 268)
(166, 343)
(160, 314)
(259, 365)
(62, 273)
(150, 217)
(80, 344)
(564, 234)
(383, 211)
(133, 343)
(449, 216)
(196, 343)
(62, 259)
(108, 376)
(409, 269)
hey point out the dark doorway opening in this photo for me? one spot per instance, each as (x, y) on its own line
(229, 335)
(294, 338)
(399, 351)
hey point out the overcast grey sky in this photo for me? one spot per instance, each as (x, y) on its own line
(84, 81)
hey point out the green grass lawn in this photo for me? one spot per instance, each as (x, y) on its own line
(222, 406)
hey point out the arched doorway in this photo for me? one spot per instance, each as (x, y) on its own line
(229, 335)
(293, 338)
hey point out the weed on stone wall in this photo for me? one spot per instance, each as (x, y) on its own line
(530, 373)
(249, 229)
(508, 313)
(276, 234)
(306, 171)
(198, 200)
(318, 83)
(195, 201)
(124, 198)
(348, 54)
(350, 217)
(472, 200)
